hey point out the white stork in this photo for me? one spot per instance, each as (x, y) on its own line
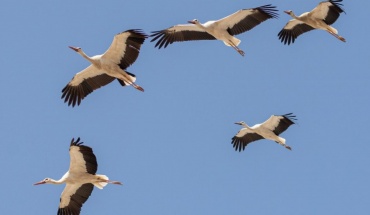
(270, 129)
(223, 29)
(80, 179)
(321, 17)
(104, 68)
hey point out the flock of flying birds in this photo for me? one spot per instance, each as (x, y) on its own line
(124, 50)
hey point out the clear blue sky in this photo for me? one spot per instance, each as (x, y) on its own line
(170, 145)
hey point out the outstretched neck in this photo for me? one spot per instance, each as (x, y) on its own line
(200, 25)
(60, 181)
(294, 16)
(245, 125)
(82, 53)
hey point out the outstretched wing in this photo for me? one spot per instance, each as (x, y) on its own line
(84, 83)
(243, 138)
(292, 30)
(73, 197)
(82, 158)
(246, 19)
(179, 33)
(278, 124)
(329, 11)
(125, 48)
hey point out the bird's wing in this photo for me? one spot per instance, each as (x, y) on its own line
(179, 33)
(73, 197)
(125, 48)
(243, 137)
(82, 158)
(328, 11)
(83, 83)
(292, 30)
(278, 124)
(246, 19)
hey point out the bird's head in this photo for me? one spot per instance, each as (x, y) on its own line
(240, 123)
(194, 21)
(289, 12)
(45, 181)
(76, 49)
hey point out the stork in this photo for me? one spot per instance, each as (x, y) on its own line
(80, 179)
(223, 29)
(107, 67)
(270, 129)
(321, 17)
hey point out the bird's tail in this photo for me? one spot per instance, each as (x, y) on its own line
(101, 184)
(330, 28)
(235, 41)
(132, 78)
(282, 140)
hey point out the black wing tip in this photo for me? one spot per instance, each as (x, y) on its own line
(155, 33)
(338, 4)
(77, 142)
(286, 37)
(290, 117)
(237, 144)
(70, 95)
(67, 211)
(159, 35)
(269, 9)
(138, 32)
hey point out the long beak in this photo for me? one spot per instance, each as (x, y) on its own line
(191, 21)
(73, 48)
(38, 183)
(287, 12)
(238, 123)
(115, 182)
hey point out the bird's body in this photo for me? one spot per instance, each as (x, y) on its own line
(321, 17)
(223, 29)
(270, 130)
(80, 179)
(107, 67)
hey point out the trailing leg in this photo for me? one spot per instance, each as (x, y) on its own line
(281, 141)
(337, 36)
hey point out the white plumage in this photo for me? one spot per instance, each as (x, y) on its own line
(80, 179)
(321, 17)
(270, 129)
(107, 67)
(223, 29)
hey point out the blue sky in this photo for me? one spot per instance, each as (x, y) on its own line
(170, 145)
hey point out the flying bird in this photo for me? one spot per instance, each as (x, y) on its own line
(107, 67)
(321, 17)
(80, 179)
(270, 129)
(223, 29)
